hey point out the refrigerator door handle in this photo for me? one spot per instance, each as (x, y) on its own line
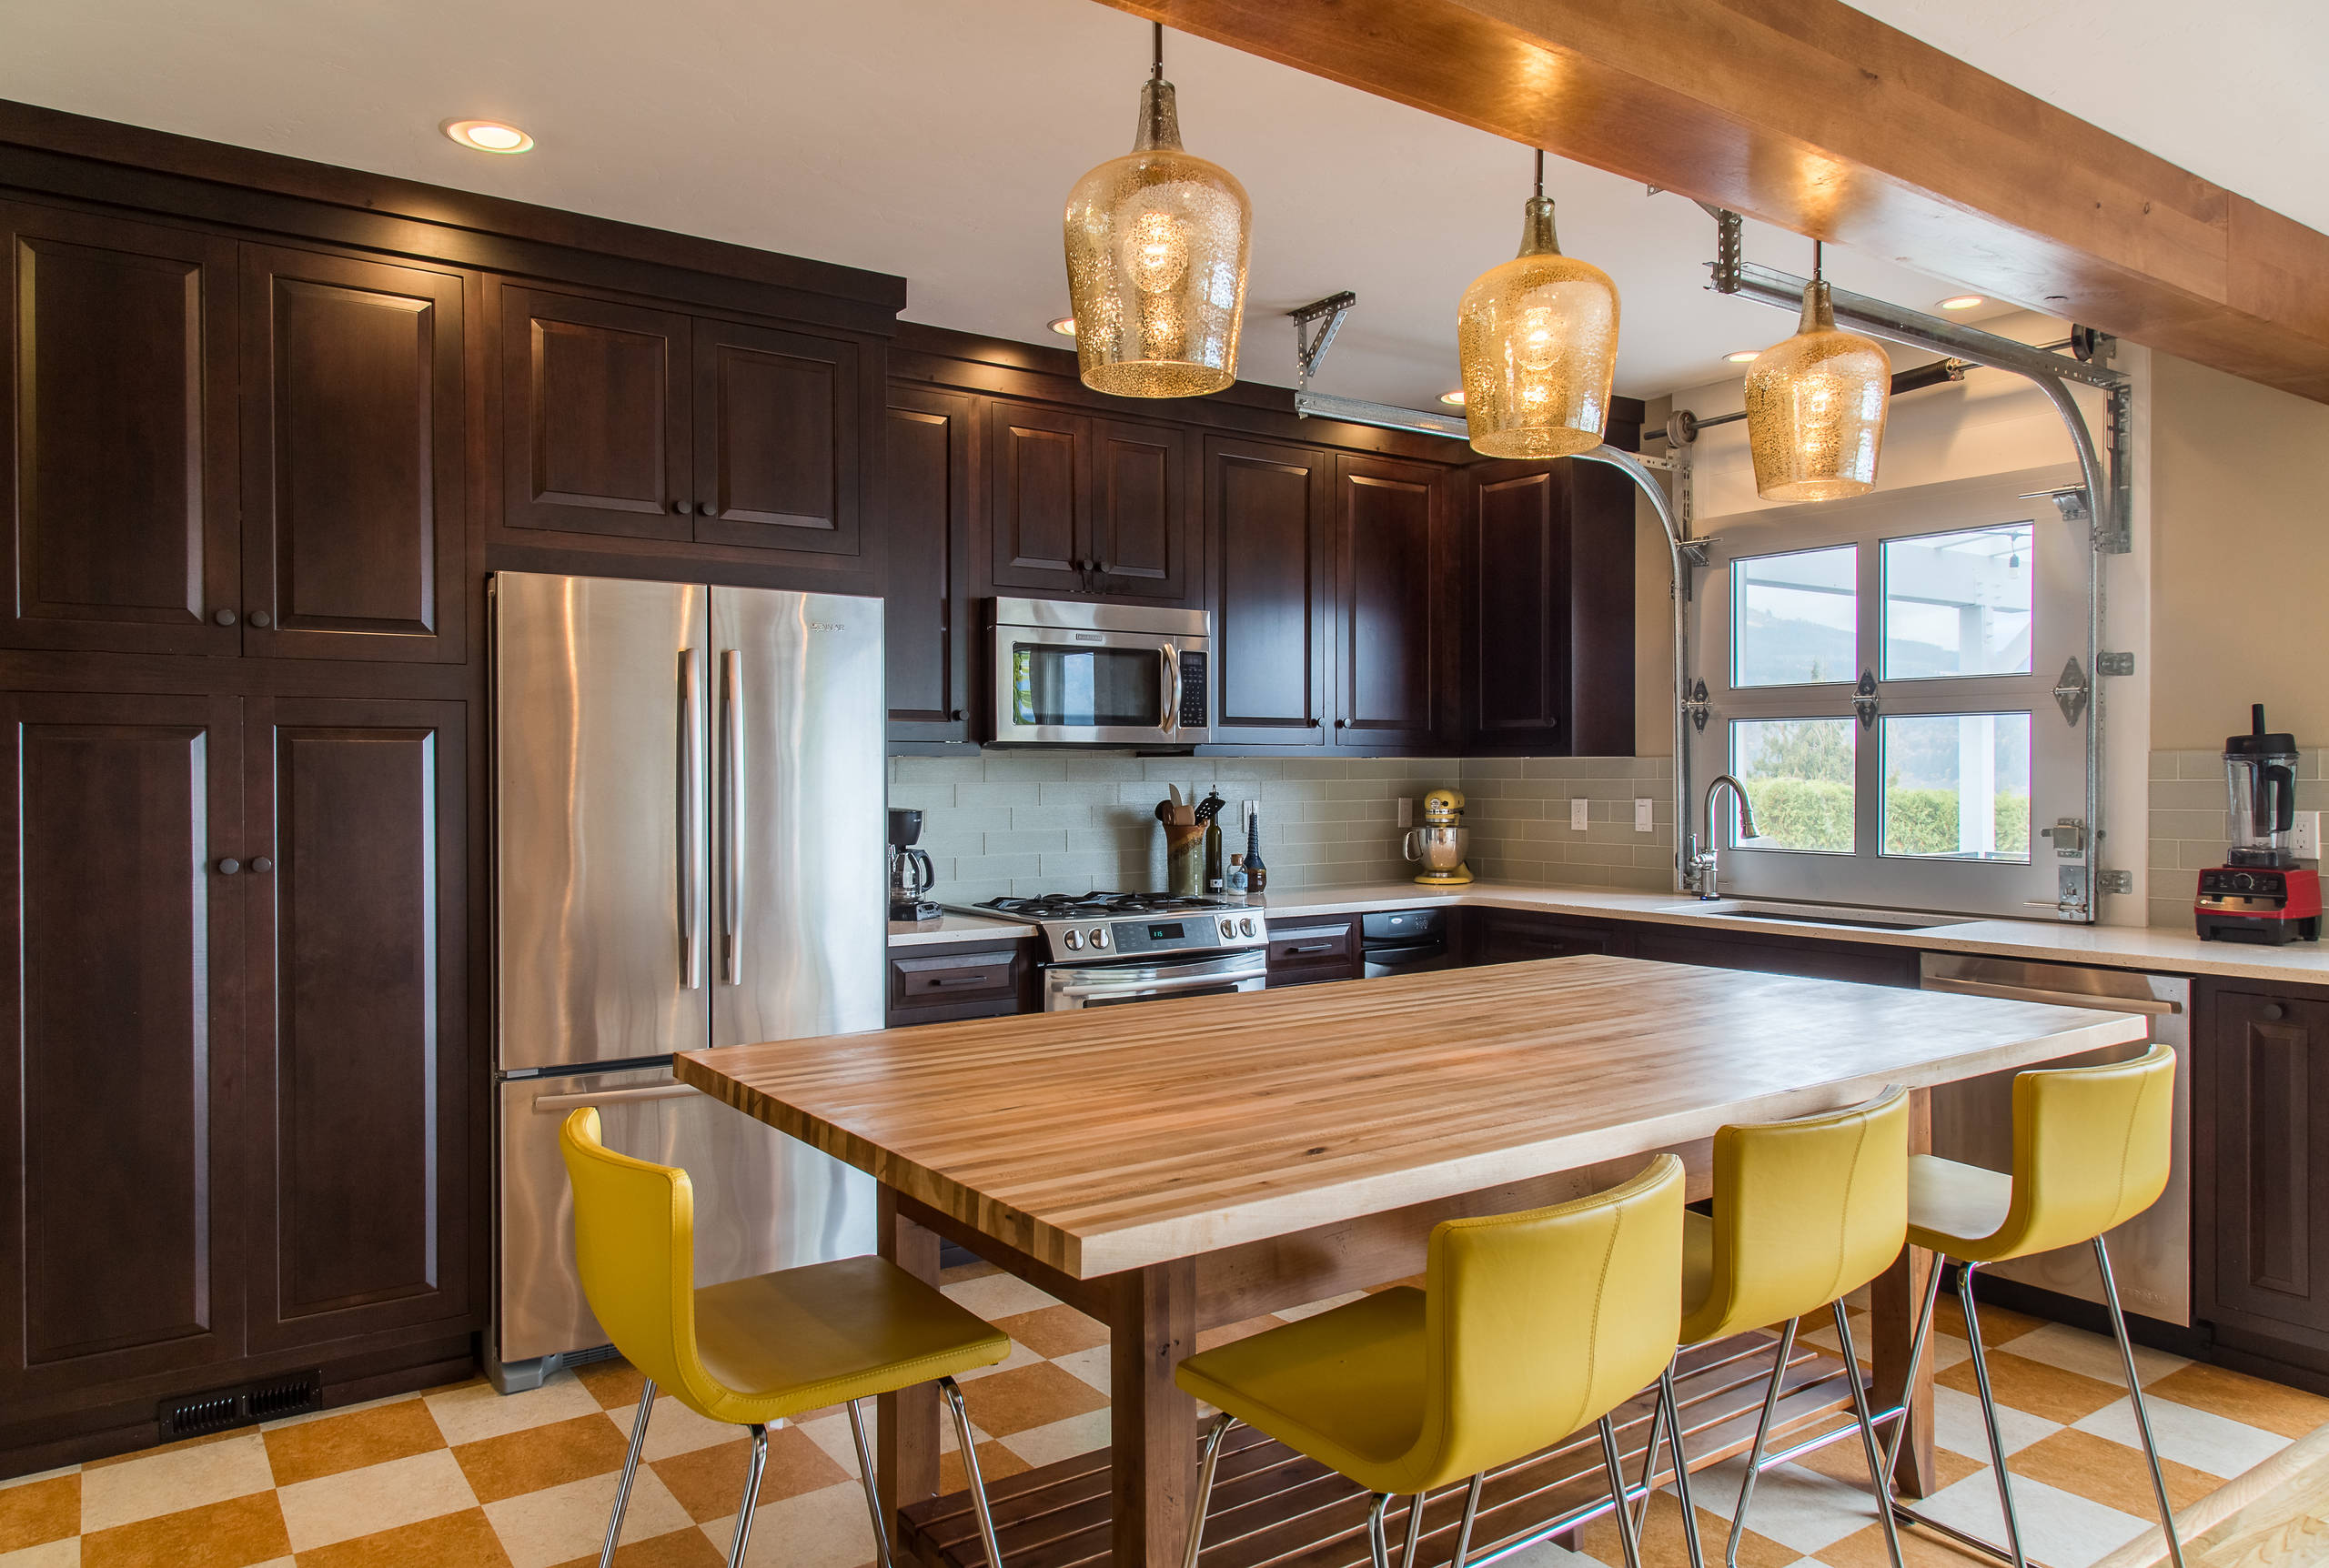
(556, 1102)
(691, 852)
(731, 827)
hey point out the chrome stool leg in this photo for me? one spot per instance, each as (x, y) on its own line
(1208, 1461)
(1672, 1408)
(1649, 1451)
(1622, 1507)
(745, 1509)
(1375, 1543)
(1916, 1359)
(865, 1475)
(1989, 1415)
(954, 1392)
(1471, 1513)
(1755, 1449)
(1878, 1477)
(631, 1471)
(2135, 1396)
(1900, 1510)
(1414, 1532)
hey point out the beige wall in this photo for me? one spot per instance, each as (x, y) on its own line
(2240, 558)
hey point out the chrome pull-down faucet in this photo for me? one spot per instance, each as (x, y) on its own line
(1699, 872)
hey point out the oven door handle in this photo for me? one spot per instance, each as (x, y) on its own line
(1160, 987)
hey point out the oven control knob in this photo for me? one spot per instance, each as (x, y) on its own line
(1098, 935)
(1073, 939)
(1247, 925)
(2244, 881)
(1228, 928)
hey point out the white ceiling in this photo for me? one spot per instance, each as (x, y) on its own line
(937, 139)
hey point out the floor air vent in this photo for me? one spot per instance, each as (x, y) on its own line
(244, 1404)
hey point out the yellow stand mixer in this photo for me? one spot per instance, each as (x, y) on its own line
(1439, 843)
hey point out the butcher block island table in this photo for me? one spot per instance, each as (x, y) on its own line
(1171, 1167)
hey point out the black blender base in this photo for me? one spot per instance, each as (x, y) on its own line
(2259, 934)
(924, 910)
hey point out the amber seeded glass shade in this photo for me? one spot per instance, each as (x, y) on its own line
(1538, 337)
(1816, 407)
(1156, 243)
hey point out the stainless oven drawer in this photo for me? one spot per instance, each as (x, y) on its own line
(1108, 985)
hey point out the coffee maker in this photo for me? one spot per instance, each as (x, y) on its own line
(1438, 845)
(911, 873)
(2260, 894)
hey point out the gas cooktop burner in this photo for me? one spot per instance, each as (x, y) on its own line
(1082, 906)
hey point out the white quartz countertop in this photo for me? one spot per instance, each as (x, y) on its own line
(2113, 947)
(951, 928)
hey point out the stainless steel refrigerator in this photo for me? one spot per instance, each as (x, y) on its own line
(689, 788)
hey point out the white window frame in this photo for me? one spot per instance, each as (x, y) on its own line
(2061, 751)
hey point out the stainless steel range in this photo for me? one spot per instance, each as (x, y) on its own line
(1104, 948)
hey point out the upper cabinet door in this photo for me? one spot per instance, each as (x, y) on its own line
(776, 442)
(1040, 483)
(1520, 610)
(1269, 522)
(595, 416)
(1139, 512)
(1389, 537)
(121, 405)
(120, 1022)
(925, 475)
(352, 459)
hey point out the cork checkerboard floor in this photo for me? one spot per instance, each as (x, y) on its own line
(461, 1476)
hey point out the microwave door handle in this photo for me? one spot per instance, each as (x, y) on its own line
(690, 824)
(1170, 720)
(732, 807)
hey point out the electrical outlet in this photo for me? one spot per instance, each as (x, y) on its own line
(1407, 812)
(2304, 835)
(1577, 806)
(1642, 821)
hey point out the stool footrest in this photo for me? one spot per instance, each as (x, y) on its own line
(1908, 1515)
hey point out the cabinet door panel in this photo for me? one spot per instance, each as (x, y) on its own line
(121, 396)
(1387, 524)
(2270, 1116)
(1041, 480)
(358, 1050)
(776, 440)
(353, 458)
(120, 1251)
(1268, 521)
(925, 509)
(1140, 520)
(595, 416)
(1520, 551)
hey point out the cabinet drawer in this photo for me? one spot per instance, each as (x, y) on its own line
(1311, 945)
(956, 976)
(1512, 937)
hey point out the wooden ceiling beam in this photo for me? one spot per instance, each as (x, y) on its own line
(1815, 117)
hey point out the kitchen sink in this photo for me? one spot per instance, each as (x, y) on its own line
(1814, 915)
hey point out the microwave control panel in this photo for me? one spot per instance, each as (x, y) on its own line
(1196, 708)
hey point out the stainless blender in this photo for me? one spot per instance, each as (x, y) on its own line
(2260, 894)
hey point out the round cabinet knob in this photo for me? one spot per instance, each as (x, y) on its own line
(1074, 941)
(707, 508)
(681, 507)
(1098, 935)
(259, 617)
(223, 617)
(229, 866)
(1247, 925)
(956, 714)
(2273, 1013)
(261, 864)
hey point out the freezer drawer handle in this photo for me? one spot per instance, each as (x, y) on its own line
(556, 1102)
(690, 824)
(2053, 998)
(731, 827)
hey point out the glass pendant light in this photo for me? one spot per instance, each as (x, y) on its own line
(1156, 243)
(1815, 407)
(1539, 341)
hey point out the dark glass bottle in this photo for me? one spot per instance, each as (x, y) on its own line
(1216, 876)
(1257, 876)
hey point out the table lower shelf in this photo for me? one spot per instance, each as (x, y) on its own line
(1273, 1506)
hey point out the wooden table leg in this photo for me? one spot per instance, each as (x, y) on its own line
(906, 1448)
(1894, 1299)
(1152, 1424)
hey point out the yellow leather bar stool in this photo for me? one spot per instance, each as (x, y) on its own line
(1805, 1211)
(756, 1350)
(1530, 1327)
(2090, 1150)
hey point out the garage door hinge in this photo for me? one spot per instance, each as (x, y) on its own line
(2115, 881)
(2114, 664)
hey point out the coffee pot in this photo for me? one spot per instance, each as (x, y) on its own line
(911, 872)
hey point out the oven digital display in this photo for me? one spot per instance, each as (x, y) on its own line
(1172, 933)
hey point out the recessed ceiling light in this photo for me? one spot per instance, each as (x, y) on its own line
(1064, 324)
(1963, 301)
(1743, 355)
(489, 135)
(1457, 396)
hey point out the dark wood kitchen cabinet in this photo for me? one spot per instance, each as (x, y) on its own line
(1391, 550)
(776, 439)
(354, 519)
(1078, 505)
(2260, 1116)
(121, 409)
(1270, 527)
(926, 505)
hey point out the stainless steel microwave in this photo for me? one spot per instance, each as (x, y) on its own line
(1069, 672)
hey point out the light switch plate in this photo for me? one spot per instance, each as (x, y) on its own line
(1642, 823)
(1407, 812)
(2304, 835)
(1577, 806)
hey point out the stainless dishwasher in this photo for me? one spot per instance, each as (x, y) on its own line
(1972, 1121)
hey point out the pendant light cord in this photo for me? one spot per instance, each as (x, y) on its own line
(1540, 173)
(1816, 273)
(1156, 71)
